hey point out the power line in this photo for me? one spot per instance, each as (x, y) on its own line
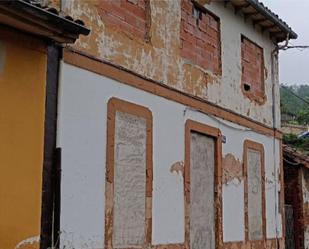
(300, 47)
(302, 99)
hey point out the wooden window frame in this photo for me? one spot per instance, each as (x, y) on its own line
(260, 96)
(114, 105)
(193, 126)
(249, 144)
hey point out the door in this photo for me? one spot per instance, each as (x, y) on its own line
(289, 224)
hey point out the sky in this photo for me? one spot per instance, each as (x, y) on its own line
(294, 64)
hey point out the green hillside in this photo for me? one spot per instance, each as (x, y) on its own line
(293, 109)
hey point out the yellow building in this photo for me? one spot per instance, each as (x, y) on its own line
(28, 76)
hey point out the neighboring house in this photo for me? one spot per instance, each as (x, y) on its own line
(304, 134)
(168, 119)
(167, 128)
(28, 83)
(296, 189)
(293, 129)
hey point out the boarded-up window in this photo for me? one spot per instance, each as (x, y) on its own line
(254, 166)
(252, 61)
(130, 180)
(129, 175)
(200, 37)
(125, 15)
(202, 155)
(202, 161)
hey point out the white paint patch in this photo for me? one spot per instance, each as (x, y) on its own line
(233, 211)
(28, 241)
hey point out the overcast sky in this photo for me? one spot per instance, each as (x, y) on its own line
(294, 64)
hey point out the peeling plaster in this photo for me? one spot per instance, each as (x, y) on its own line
(232, 170)
(29, 243)
(177, 167)
(158, 57)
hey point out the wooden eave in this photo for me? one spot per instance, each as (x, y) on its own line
(263, 17)
(295, 156)
(35, 19)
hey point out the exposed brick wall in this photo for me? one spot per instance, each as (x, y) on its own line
(252, 79)
(128, 15)
(293, 196)
(200, 37)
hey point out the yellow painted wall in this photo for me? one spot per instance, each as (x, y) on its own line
(22, 108)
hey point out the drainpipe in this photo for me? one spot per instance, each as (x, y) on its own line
(274, 80)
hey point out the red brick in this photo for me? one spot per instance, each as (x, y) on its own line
(202, 26)
(189, 28)
(111, 20)
(187, 6)
(200, 43)
(142, 4)
(129, 15)
(252, 64)
(212, 32)
(135, 10)
(113, 9)
(184, 16)
(189, 45)
(200, 38)
(188, 37)
(191, 20)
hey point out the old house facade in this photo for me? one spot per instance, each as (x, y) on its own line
(168, 120)
(166, 131)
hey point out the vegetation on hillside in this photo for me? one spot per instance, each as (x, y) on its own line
(293, 109)
(301, 144)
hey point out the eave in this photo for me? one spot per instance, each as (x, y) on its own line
(263, 17)
(295, 157)
(35, 19)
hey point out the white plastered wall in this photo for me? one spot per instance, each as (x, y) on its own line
(82, 113)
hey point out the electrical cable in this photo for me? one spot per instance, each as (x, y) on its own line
(302, 99)
(289, 162)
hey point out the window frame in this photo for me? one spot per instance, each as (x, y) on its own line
(215, 133)
(114, 105)
(249, 144)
